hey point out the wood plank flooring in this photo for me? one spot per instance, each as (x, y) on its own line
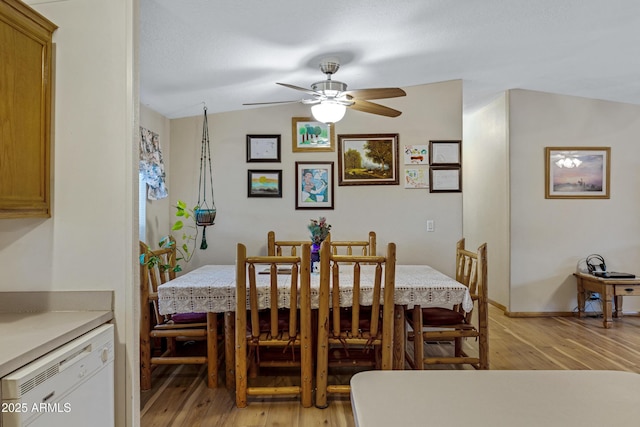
(180, 397)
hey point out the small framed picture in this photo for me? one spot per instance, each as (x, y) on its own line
(264, 183)
(263, 148)
(445, 153)
(577, 172)
(309, 135)
(314, 185)
(368, 159)
(445, 179)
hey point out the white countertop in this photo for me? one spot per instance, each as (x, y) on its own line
(34, 323)
(495, 398)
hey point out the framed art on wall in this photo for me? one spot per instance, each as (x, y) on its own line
(309, 135)
(314, 185)
(416, 178)
(445, 153)
(263, 148)
(577, 172)
(264, 183)
(368, 159)
(416, 154)
(445, 179)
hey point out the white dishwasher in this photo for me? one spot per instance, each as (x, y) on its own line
(72, 386)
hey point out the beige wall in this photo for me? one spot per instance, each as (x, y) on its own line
(88, 242)
(432, 111)
(550, 236)
(538, 242)
(486, 191)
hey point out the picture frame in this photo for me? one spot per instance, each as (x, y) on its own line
(445, 179)
(577, 172)
(309, 135)
(445, 153)
(368, 159)
(314, 185)
(263, 148)
(264, 183)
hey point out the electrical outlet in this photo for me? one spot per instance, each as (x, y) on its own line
(430, 225)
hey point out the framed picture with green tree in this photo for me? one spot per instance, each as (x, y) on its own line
(368, 159)
(309, 135)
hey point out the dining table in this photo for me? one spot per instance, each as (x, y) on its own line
(212, 289)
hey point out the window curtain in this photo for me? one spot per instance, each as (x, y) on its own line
(151, 165)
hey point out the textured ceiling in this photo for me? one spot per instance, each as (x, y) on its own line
(229, 52)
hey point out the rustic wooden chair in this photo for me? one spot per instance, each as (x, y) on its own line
(283, 247)
(157, 267)
(351, 336)
(365, 247)
(436, 324)
(287, 330)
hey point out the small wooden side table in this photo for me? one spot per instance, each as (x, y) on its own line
(609, 289)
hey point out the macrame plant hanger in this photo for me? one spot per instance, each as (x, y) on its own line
(205, 213)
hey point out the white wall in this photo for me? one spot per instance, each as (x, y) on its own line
(550, 236)
(432, 111)
(486, 191)
(88, 242)
(158, 211)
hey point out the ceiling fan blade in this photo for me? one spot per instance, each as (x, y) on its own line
(274, 102)
(308, 91)
(373, 108)
(380, 93)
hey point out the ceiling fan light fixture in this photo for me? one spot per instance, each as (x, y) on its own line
(328, 111)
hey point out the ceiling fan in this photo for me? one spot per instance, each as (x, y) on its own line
(330, 98)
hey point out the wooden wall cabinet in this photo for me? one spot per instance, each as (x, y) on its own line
(25, 111)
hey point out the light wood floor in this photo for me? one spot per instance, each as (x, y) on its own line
(180, 397)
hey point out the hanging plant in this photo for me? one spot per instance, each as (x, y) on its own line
(205, 213)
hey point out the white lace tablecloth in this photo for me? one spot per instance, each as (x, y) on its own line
(212, 288)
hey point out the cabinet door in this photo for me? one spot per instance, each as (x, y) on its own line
(25, 111)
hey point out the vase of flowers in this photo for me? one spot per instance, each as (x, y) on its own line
(319, 230)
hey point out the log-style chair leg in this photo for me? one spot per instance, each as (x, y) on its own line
(212, 350)
(418, 342)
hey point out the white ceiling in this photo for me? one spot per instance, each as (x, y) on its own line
(229, 52)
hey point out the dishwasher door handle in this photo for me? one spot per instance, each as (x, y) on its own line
(71, 360)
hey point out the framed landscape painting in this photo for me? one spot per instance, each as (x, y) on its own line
(577, 172)
(309, 135)
(264, 183)
(368, 159)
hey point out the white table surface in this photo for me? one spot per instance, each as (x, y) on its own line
(448, 398)
(212, 288)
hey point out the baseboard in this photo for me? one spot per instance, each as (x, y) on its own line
(539, 313)
(498, 305)
(515, 314)
(524, 314)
